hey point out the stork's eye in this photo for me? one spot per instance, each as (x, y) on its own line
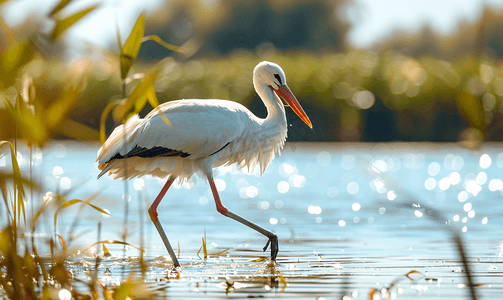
(279, 78)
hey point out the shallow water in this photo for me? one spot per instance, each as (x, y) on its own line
(350, 218)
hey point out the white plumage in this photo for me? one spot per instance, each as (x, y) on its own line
(210, 133)
(199, 135)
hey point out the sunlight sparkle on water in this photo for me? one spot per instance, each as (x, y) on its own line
(348, 162)
(203, 200)
(444, 183)
(499, 160)
(64, 294)
(57, 171)
(473, 187)
(60, 150)
(433, 169)
(481, 178)
(278, 204)
(220, 184)
(418, 214)
(456, 218)
(495, 185)
(138, 184)
(283, 187)
(379, 165)
(342, 223)
(484, 220)
(251, 191)
(457, 163)
(286, 170)
(314, 210)
(356, 206)
(462, 196)
(242, 193)
(332, 192)
(467, 207)
(242, 183)
(485, 161)
(448, 161)
(297, 180)
(430, 183)
(65, 183)
(263, 205)
(391, 195)
(353, 188)
(378, 185)
(273, 221)
(455, 178)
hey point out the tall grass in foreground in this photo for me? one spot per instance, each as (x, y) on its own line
(32, 119)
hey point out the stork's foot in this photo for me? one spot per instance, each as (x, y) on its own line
(273, 241)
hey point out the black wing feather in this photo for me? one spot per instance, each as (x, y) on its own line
(152, 152)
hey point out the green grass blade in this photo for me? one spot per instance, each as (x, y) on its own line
(158, 40)
(18, 184)
(139, 96)
(63, 24)
(103, 120)
(62, 4)
(73, 202)
(132, 46)
(112, 242)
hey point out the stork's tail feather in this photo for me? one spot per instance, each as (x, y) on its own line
(115, 142)
(107, 168)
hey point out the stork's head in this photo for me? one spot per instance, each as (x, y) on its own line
(269, 73)
(272, 75)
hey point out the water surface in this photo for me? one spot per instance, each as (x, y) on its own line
(350, 218)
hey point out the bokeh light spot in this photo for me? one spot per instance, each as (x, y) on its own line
(65, 183)
(283, 187)
(430, 183)
(433, 169)
(353, 188)
(485, 161)
(220, 184)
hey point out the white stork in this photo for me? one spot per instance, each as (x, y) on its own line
(199, 136)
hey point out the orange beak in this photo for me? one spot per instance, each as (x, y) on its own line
(285, 94)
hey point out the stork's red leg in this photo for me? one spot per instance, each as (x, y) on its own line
(273, 238)
(152, 211)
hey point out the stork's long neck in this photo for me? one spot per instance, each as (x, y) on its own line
(275, 110)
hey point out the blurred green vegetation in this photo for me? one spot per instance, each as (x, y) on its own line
(355, 95)
(358, 95)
